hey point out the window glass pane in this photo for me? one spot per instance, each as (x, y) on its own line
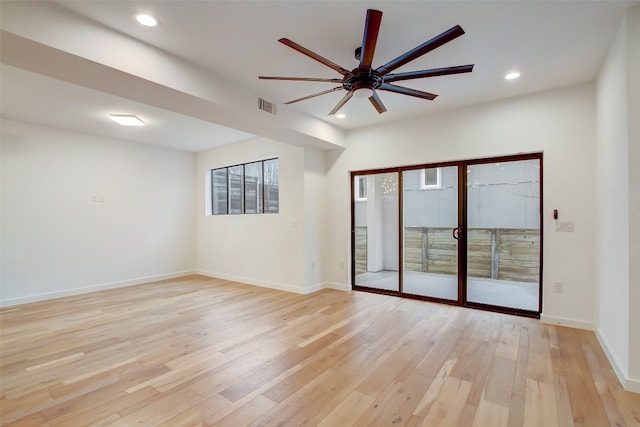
(361, 188)
(503, 207)
(219, 191)
(431, 177)
(253, 187)
(271, 187)
(430, 251)
(236, 174)
(376, 224)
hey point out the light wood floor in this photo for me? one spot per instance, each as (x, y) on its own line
(199, 351)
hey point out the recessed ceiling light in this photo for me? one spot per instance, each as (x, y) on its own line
(341, 116)
(126, 119)
(146, 20)
(512, 76)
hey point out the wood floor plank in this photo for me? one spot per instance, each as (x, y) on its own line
(247, 413)
(586, 405)
(540, 405)
(348, 411)
(516, 407)
(393, 406)
(500, 383)
(447, 407)
(491, 414)
(197, 351)
(563, 401)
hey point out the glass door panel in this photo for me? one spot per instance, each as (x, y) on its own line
(503, 234)
(376, 223)
(430, 221)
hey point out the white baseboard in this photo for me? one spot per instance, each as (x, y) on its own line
(629, 384)
(632, 384)
(274, 285)
(571, 323)
(337, 286)
(93, 288)
(315, 288)
(254, 282)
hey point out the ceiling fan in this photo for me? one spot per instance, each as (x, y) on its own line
(366, 78)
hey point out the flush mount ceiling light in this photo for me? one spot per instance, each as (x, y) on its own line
(126, 119)
(146, 20)
(341, 116)
(512, 76)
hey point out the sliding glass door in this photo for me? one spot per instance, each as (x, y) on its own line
(503, 234)
(430, 227)
(375, 231)
(465, 233)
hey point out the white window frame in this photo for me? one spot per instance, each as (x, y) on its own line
(435, 186)
(356, 188)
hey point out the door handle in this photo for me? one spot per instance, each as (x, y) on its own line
(456, 232)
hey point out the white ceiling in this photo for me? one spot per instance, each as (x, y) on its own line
(36, 98)
(552, 43)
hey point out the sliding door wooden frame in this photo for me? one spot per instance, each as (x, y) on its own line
(355, 287)
(504, 159)
(462, 240)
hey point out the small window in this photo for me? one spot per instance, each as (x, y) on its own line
(360, 190)
(236, 189)
(271, 186)
(219, 191)
(430, 179)
(244, 189)
(253, 187)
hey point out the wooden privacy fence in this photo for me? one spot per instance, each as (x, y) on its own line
(496, 253)
(361, 250)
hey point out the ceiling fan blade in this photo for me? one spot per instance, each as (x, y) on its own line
(417, 52)
(428, 73)
(301, 79)
(370, 37)
(341, 103)
(377, 103)
(324, 92)
(313, 55)
(407, 91)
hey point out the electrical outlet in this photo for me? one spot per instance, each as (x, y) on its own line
(558, 287)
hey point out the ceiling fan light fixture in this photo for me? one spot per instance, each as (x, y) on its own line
(126, 119)
(512, 76)
(363, 92)
(146, 20)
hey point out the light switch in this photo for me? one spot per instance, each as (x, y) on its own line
(564, 225)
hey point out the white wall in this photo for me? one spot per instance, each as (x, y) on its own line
(261, 249)
(618, 207)
(315, 206)
(560, 123)
(633, 64)
(57, 241)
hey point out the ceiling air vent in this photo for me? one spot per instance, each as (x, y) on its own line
(266, 106)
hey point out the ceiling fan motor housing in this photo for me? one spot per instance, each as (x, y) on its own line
(362, 79)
